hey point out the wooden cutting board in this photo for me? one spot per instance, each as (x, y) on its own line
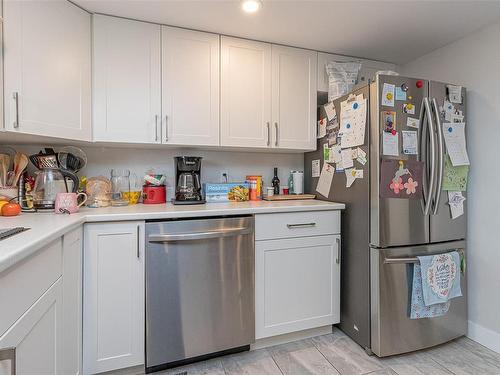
(289, 197)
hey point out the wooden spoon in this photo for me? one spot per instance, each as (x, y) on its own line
(4, 166)
(20, 164)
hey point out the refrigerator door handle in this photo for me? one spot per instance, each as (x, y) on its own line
(432, 143)
(439, 182)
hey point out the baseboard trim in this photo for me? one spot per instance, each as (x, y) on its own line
(484, 336)
(289, 337)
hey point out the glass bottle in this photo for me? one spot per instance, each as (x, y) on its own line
(275, 182)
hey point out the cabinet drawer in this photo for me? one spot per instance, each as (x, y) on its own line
(296, 224)
(23, 284)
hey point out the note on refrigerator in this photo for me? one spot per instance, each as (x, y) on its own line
(315, 169)
(325, 180)
(361, 156)
(410, 142)
(346, 156)
(351, 175)
(412, 122)
(321, 128)
(454, 93)
(330, 110)
(388, 95)
(456, 202)
(454, 138)
(390, 144)
(356, 114)
(336, 154)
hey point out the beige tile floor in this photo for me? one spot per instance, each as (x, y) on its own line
(335, 354)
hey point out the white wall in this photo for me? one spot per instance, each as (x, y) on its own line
(238, 164)
(474, 62)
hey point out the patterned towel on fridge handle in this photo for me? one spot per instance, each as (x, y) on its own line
(440, 277)
(418, 309)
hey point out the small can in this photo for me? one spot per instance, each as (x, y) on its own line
(270, 191)
(255, 183)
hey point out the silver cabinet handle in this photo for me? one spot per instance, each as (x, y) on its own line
(277, 133)
(439, 182)
(166, 128)
(302, 225)
(156, 128)
(138, 241)
(15, 95)
(9, 354)
(268, 134)
(199, 235)
(337, 240)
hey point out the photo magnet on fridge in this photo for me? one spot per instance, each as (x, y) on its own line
(401, 179)
(388, 121)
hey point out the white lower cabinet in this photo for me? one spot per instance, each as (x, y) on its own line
(113, 312)
(297, 284)
(45, 339)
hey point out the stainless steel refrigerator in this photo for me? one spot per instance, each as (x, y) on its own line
(382, 236)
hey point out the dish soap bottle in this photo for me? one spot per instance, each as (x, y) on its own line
(276, 182)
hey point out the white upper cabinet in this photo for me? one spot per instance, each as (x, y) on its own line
(294, 98)
(47, 64)
(245, 93)
(366, 73)
(190, 87)
(126, 81)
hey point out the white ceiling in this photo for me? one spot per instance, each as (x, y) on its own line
(392, 31)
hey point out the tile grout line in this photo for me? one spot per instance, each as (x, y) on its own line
(320, 352)
(442, 366)
(276, 363)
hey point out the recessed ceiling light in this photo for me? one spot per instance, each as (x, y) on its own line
(251, 6)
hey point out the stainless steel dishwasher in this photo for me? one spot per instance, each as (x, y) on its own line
(199, 289)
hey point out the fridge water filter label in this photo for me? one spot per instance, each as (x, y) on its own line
(413, 122)
(388, 95)
(390, 144)
(325, 180)
(410, 142)
(454, 138)
(315, 168)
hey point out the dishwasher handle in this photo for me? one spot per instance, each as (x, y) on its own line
(199, 235)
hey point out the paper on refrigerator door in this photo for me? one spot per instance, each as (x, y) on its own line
(454, 138)
(346, 155)
(410, 142)
(325, 180)
(388, 95)
(456, 202)
(330, 110)
(390, 144)
(315, 168)
(454, 93)
(351, 175)
(357, 116)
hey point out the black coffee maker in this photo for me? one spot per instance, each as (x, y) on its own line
(187, 180)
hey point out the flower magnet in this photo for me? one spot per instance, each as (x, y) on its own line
(401, 179)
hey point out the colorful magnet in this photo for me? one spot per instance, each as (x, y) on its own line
(419, 84)
(355, 105)
(409, 108)
(404, 87)
(410, 97)
(389, 121)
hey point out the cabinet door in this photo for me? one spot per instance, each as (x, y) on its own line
(47, 47)
(113, 309)
(36, 336)
(126, 81)
(294, 99)
(297, 284)
(190, 87)
(245, 93)
(71, 339)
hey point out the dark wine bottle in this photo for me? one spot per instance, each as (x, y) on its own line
(276, 182)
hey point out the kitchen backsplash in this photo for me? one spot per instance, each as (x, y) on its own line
(237, 164)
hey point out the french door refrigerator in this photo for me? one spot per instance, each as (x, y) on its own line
(382, 236)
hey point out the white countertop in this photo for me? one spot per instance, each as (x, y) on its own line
(46, 227)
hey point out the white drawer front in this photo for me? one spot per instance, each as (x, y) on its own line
(296, 224)
(23, 284)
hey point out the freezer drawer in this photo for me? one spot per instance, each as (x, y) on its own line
(393, 332)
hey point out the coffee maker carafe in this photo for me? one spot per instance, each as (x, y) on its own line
(187, 179)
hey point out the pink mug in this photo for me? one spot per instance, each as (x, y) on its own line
(68, 202)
